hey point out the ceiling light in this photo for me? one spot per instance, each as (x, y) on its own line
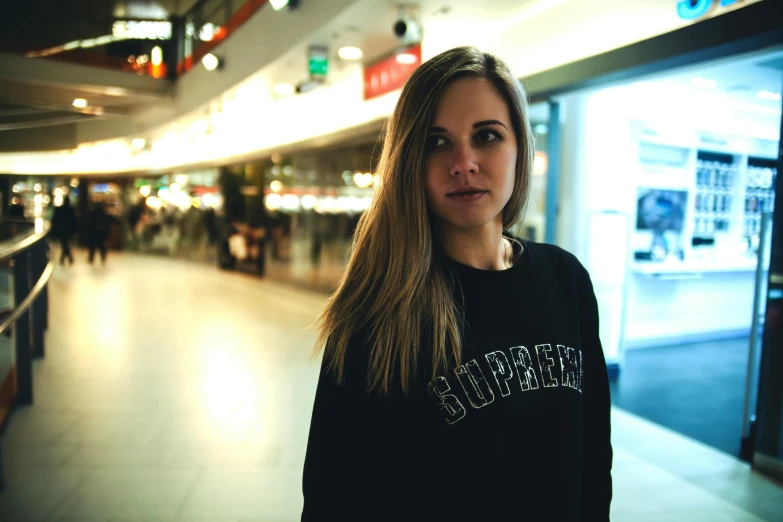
(284, 89)
(80, 103)
(406, 58)
(210, 61)
(276, 186)
(704, 83)
(200, 126)
(350, 53)
(138, 143)
(278, 4)
(157, 55)
(767, 95)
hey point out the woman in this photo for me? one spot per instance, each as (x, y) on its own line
(463, 377)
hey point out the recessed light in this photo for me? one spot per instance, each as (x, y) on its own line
(80, 103)
(350, 53)
(284, 89)
(767, 95)
(406, 58)
(138, 143)
(278, 4)
(210, 61)
(704, 83)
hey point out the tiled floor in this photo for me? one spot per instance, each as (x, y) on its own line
(659, 384)
(175, 392)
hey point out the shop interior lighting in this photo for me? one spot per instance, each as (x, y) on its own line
(406, 58)
(181, 179)
(278, 4)
(74, 182)
(350, 53)
(362, 180)
(540, 163)
(276, 186)
(145, 190)
(211, 62)
(273, 201)
(767, 95)
(157, 55)
(704, 83)
(138, 143)
(284, 89)
(80, 103)
(308, 201)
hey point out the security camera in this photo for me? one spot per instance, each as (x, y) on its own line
(407, 30)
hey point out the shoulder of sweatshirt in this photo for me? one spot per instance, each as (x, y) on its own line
(553, 255)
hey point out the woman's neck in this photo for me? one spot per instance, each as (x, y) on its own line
(481, 248)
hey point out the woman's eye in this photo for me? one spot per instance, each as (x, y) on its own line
(487, 136)
(434, 142)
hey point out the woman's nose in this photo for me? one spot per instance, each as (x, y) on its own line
(463, 161)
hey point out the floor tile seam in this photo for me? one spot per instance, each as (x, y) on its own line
(191, 491)
(76, 449)
(79, 483)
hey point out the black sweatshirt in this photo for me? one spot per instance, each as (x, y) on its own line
(519, 432)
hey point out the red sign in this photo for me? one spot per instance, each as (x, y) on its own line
(391, 73)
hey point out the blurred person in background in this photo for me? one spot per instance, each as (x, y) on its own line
(64, 227)
(462, 377)
(192, 224)
(16, 208)
(137, 218)
(98, 228)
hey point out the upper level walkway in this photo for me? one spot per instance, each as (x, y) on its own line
(172, 391)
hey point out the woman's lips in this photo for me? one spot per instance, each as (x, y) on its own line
(467, 197)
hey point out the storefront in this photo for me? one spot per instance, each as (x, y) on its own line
(665, 187)
(175, 214)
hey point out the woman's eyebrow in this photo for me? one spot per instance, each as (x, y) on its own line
(489, 122)
(476, 125)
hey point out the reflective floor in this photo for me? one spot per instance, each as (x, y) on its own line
(172, 391)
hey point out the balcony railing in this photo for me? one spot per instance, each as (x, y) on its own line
(25, 269)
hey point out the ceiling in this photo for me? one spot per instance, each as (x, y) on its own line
(736, 81)
(368, 24)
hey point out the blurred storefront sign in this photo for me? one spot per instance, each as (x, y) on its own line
(391, 73)
(695, 9)
(142, 29)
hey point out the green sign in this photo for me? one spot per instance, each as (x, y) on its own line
(318, 61)
(319, 66)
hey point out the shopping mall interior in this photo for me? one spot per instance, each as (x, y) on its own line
(226, 151)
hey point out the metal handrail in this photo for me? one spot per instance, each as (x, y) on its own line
(11, 247)
(28, 301)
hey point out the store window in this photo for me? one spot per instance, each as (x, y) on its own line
(667, 183)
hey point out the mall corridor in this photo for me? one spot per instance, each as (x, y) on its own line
(177, 392)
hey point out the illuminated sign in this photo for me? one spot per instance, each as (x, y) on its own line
(695, 9)
(142, 30)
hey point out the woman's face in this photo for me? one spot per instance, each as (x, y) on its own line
(470, 156)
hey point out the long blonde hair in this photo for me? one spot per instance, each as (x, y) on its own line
(396, 300)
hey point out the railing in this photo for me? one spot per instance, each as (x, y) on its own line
(25, 269)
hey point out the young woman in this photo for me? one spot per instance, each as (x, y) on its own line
(463, 377)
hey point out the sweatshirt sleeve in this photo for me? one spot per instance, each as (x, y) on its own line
(596, 418)
(350, 462)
